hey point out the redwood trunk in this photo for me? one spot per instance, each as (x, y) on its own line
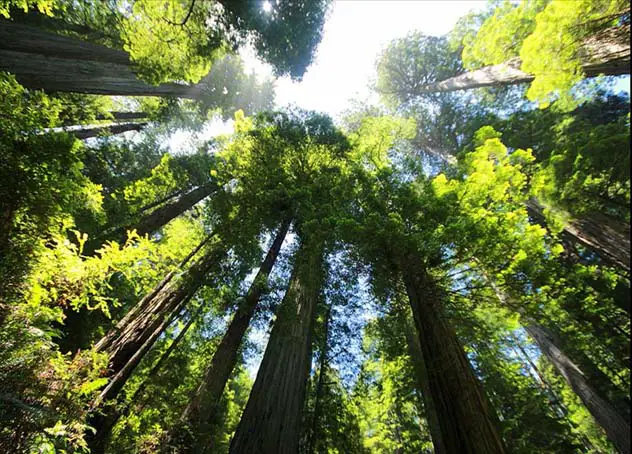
(421, 372)
(128, 342)
(105, 422)
(201, 412)
(606, 53)
(607, 237)
(320, 388)
(617, 429)
(86, 133)
(465, 419)
(272, 417)
(156, 219)
(51, 62)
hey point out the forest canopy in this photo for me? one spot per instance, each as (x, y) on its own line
(443, 267)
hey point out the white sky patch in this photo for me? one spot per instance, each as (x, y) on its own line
(183, 141)
(354, 34)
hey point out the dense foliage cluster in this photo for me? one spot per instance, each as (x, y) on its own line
(446, 272)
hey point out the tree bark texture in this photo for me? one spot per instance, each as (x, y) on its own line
(47, 61)
(466, 421)
(617, 429)
(155, 220)
(421, 372)
(105, 422)
(201, 412)
(128, 342)
(607, 53)
(86, 133)
(605, 236)
(272, 417)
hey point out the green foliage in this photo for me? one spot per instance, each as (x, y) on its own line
(43, 6)
(549, 37)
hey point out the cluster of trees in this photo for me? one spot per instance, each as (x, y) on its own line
(446, 272)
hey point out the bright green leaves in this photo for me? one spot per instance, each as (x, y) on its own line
(550, 38)
(500, 37)
(43, 6)
(375, 137)
(165, 39)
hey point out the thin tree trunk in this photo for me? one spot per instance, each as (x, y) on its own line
(86, 133)
(320, 387)
(121, 115)
(51, 62)
(126, 343)
(616, 428)
(202, 409)
(111, 416)
(421, 372)
(604, 412)
(606, 53)
(607, 237)
(272, 417)
(466, 421)
(154, 220)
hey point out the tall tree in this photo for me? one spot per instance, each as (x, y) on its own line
(202, 409)
(271, 419)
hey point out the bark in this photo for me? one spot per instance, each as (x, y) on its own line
(320, 388)
(466, 421)
(86, 133)
(617, 429)
(51, 62)
(605, 236)
(119, 115)
(271, 420)
(421, 372)
(131, 338)
(110, 416)
(202, 410)
(154, 220)
(607, 52)
(585, 386)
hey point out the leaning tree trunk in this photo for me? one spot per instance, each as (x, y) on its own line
(43, 60)
(586, 387)
(606, 53)
(607, 237)
(466, 421)
(617, 429)
(130, 340)
(114, 116)
(86, 133)
(156, 219)
(421, 376)
(272, 417)
(105, 422)
(126, 343)
(202, 410)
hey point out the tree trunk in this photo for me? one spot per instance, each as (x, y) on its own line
(154, 220)
(51, 62)
(605, 236)
(320, 388)
(201, 412)
(125, 116)
(86, 133)
(465, 419)
(132, 337)
(421, 372)
(105, 422)
(616, 428)
(606, 53)
(272, 417)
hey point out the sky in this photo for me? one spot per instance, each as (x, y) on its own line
(353, 36)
